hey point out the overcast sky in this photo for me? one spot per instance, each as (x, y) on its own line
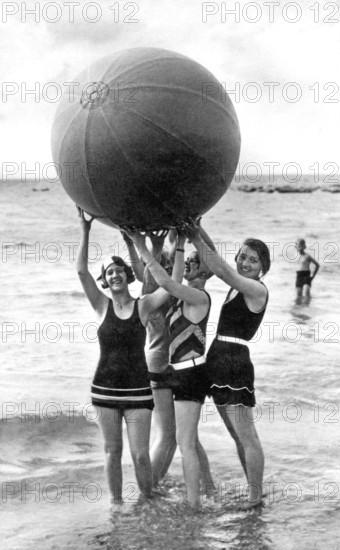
(295, 120)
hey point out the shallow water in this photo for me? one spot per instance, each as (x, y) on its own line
(54, 493)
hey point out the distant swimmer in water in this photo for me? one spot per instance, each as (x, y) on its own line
(304, 277)
(120, 388)
(230, 368)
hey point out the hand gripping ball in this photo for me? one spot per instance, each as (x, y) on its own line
(147, 139)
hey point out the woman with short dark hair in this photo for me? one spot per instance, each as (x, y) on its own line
(121, 387)
(230, 368)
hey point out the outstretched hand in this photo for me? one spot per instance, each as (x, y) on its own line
(172, 235)
(190, 228)
(125, 236)
(157, 238)
(85, 224)
(134, 235)
(180, 236)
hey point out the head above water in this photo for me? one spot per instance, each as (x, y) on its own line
(300, 244)
(117, 260)
(261, 251)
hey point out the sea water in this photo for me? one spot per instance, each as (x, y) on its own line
(54, 492)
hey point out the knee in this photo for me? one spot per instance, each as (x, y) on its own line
(252, 443)
(167, 437)
(186, 445)
(113, 451)
(141, 459)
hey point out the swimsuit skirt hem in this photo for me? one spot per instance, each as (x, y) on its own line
(231, 374)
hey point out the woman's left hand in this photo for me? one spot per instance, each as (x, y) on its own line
(181, 238)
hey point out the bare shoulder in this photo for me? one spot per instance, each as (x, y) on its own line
(148, 303)
(145, 300)
(254, 289)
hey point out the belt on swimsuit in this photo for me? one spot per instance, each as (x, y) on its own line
(189, 363)
(232, 339)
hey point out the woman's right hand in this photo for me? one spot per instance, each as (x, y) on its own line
(136, 236)
(157, 238)
(85, 224)
(191, 229)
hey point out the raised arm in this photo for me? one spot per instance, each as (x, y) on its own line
(203, 265)
(97, 299)
(136, 263)
(172, 237)
(252, 289)
(190, 295)
(178, 269)
(208, 241)
(157, 242)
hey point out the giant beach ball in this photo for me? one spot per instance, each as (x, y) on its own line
(145, 137)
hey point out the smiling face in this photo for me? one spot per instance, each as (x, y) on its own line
(116, 277)
(191, 267)
(248, 263)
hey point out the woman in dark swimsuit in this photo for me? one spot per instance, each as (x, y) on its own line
(120, 388)
(230, 368)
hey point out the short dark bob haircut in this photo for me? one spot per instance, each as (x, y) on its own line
(118, 261)
(262, 250)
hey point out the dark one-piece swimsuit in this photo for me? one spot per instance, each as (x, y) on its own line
(230, 368)
(121, 379)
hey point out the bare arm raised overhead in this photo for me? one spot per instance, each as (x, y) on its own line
(249, 267)
(157, 251)
(191, 296)
(136, 262)
(97, 299)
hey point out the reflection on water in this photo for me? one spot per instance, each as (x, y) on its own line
(303, 300)
(300, 311)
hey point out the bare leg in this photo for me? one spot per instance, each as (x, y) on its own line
(187, 417)
(110, 423)
(299, 291)
(164, 444)
(307, 293)
(245, 430)
(207, 480)
(229, 425)
(138, 422)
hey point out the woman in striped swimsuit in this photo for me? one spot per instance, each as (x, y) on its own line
(230, 368)
(121, 387)
(188, 319)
